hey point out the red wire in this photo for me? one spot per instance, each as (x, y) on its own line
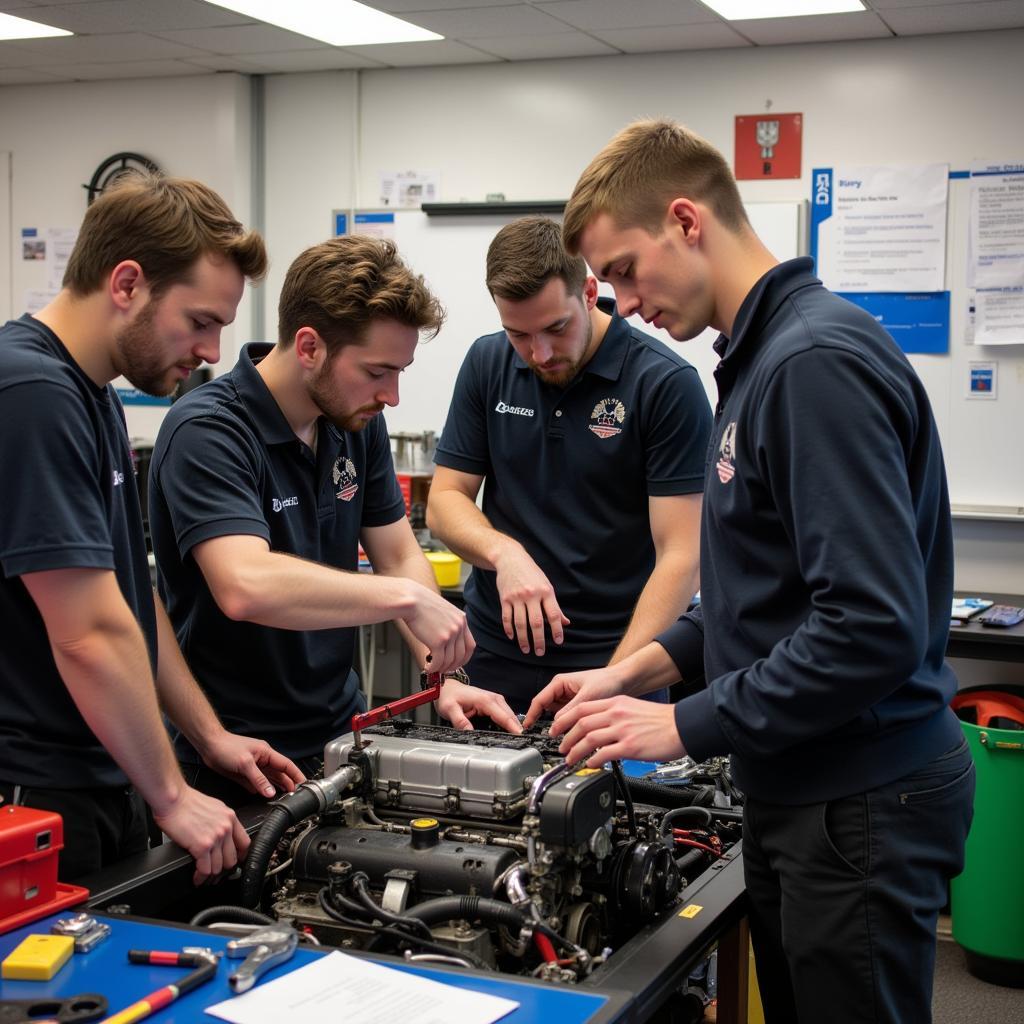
(546, 947)
(683, 841)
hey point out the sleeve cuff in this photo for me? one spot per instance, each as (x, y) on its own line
(698, 728)
(462, 463)
(684, 642)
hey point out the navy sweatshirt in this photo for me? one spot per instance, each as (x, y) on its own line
(826, 556)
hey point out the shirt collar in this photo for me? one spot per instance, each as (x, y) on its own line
(763, 300)
(611, 353)
(266, 414)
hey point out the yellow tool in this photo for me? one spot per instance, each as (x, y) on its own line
(38, 957)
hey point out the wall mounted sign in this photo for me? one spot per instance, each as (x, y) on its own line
(768, 145)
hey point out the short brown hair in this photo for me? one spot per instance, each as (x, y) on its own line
(341, 286)
(644, 168)
(165, 225)
(524, 255)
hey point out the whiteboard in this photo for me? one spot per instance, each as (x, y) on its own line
(983, 441)
(450, 252)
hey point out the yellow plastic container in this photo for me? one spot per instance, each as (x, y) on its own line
(447, 567)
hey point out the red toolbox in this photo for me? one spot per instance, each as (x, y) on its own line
(30, 841)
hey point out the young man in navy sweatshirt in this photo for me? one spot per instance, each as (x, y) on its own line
(826, 578)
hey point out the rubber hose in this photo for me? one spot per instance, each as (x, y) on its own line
(292, 807)
(239, 915)
(447, 908)
(669, 796)
(699, 814)
(687, 860)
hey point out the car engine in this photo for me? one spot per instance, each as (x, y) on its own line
(485, 849)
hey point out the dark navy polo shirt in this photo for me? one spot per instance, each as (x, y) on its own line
(71, 504)
(225, 463)
(568, 473)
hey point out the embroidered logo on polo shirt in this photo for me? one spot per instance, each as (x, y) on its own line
(277, 504)
(344, 476)
(514, 410)
(726, 464)
(118, 478)
(607, 413)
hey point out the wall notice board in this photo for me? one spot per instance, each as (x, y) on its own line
(450, 252)
(982, 439)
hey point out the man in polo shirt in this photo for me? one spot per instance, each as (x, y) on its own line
(263, 484)
(591, 439)
(157, 271)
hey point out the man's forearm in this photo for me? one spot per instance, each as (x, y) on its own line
(456, 520)
(286, 592)
(414, 567)
(109, 678)
(668, 592)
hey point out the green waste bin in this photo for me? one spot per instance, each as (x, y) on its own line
(988, 897)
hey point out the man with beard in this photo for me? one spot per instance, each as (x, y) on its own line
(264, 482)
(158, 269)
(591, 438)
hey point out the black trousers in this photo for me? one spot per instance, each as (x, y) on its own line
(845, 896)
(212, 783)
(102, 824)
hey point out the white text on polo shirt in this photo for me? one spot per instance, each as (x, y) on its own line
(279, 503)
(515, 410)
(118, 478)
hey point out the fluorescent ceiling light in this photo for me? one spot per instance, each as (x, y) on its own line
(338, 22)
(743, 10)
(21, 28)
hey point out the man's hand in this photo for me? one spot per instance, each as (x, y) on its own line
(527, 601)
(459, 702)
(617, 728)
(568, 689)
(442, 629)
(251, 763)
(207, 829)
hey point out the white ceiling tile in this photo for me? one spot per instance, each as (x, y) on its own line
(327, 59)
(962, 17)
(815, 28)
(135, 16)
(482, 22)
(16, 55)
(556, 44)
(29, 76)
(400, 7)
(133, 46)
(126, 69)
(228, 62)
(435, 51)
(595, 15)
(243, 39)
(675, 37)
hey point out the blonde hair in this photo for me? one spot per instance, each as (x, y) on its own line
(341, 286)
(165, 225)
(642, 169)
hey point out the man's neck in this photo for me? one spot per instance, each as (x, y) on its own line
(280, 372)
(738, 262)
(86, 331)
(599, 322)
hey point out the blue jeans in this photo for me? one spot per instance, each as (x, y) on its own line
(845, 895)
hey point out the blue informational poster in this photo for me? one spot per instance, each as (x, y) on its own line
(133, 396)
(918, 321)
(340, 218)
